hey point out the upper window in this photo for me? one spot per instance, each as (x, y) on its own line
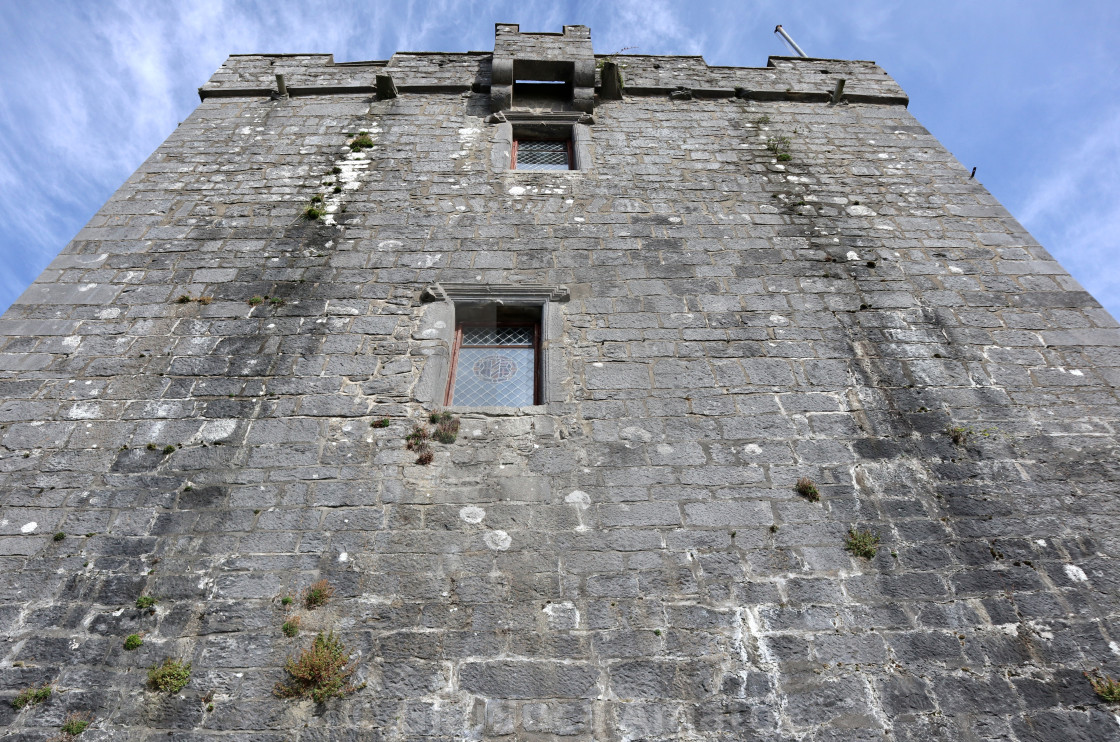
(495, 361)
(542, 154)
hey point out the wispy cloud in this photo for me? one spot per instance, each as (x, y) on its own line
(651, 26)
(1074, 207)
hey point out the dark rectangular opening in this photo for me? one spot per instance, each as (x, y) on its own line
(542, 95)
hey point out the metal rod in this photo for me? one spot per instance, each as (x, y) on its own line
(779, 30)
(838, 92)
(280, 86)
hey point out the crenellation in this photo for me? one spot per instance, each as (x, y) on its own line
(783, 78)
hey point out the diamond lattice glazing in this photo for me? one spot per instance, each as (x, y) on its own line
(494, 377)
(497, 336)
(542, 155)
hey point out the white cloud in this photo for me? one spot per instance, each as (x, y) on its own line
(1074, 208)
(651, 26)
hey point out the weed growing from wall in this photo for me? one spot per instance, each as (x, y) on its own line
(32, 696)
(170, 677)
(959, 434)
(320, 672)
(780, 145)
(417, 441)
(446, 431)
(317, 594)
(360, 142)
(447, 427)
(290, 627)
(808, 490)
(1106, 687)
(76, 723)
(862, 543)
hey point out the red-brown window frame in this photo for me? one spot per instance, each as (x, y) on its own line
(448, 396)
(568, 142)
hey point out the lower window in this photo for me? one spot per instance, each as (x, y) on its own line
(496, 358)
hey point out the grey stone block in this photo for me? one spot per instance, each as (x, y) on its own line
(529, 679)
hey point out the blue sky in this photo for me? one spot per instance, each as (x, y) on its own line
(1028, 92)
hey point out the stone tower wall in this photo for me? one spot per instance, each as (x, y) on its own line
(630, 561)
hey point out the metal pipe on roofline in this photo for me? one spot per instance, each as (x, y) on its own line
(789, 39)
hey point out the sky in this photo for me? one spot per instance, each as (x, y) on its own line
(1025, 91)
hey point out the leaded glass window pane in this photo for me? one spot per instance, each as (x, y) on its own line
(497, 336)
(495, 377)
(496, 366)
(539, 155)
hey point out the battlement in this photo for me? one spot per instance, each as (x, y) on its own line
(573, 43)
(784, 78)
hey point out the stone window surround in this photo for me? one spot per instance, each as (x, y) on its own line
(501, 154)
(438, 330)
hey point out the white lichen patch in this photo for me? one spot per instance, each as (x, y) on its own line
(579, 498)
(497, 540)
(216, 430)
(634, 433)
(353, 167)
(468, 135)
(1075, 573)
(563, 615)
(84, 411)
(472, 514)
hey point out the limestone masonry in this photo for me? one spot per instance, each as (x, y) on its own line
(219, 394)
